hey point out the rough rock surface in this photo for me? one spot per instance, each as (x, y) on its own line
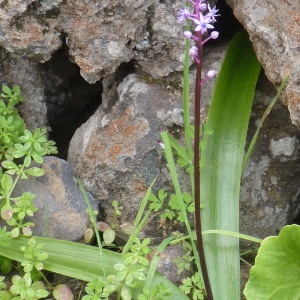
(27, 31)
(100, 35)
(117, 155)
(270, 185)
(168, 267)
(274, 29)
(60, 202)
(16, 70)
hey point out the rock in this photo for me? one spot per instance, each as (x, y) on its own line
(100, 36)
(60, 202)
(21, 71)
(270, 184)
(275, 38)
(117, 155)
(168, 267)
(27, 30)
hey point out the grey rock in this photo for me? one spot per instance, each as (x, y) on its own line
(117, 155)
(25, 31)
(270, 185)
(275, 38)
(168, 267)
(99, 35)
(16, 70)
(60, 202)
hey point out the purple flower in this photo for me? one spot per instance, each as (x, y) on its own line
(213, 35)
(203, 24)
(212, 13)
(193, 52)
(183, 14)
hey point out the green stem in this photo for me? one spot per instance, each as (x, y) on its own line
(176, 184)
(93, 220)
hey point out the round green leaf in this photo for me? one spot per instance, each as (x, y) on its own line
(109, 236)
(276, 273)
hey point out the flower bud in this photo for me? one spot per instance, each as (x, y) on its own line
(211, 73)
(193, 52)
(187, 34)
(202, 6)
(214, 35)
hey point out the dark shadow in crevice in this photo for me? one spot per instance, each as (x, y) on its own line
(227, 24)
(71, 100)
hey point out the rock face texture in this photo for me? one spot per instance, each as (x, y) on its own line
(270, 190)
(60, 202)
(117, 154)
(100, 35)
(274, 29)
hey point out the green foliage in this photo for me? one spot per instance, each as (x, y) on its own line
(193, 286)
(20, 152)
(221, 170)
(99, 289)
(5, 264)
(157, 292)
(276, 272)
(184, 262)
(24, 288)
(34, 257)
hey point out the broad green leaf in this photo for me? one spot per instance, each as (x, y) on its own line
(221, 166)
(276, 273)
(80, 261)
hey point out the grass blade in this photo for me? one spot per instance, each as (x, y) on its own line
(79, 261)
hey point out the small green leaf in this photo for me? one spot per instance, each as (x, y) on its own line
(6, 211)
(36, 172)
(276, 272)
(109, 236)
(6, 183)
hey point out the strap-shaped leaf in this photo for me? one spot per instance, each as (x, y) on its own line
(221, 167)
(80, 261)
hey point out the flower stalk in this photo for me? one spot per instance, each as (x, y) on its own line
(203, 17)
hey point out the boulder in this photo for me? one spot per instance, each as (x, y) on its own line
(59, 200)
(117, 155)
(274, 29)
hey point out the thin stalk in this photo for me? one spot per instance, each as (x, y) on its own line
(197, 161)
(186, 109)
(93, 220)
(177, 188)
